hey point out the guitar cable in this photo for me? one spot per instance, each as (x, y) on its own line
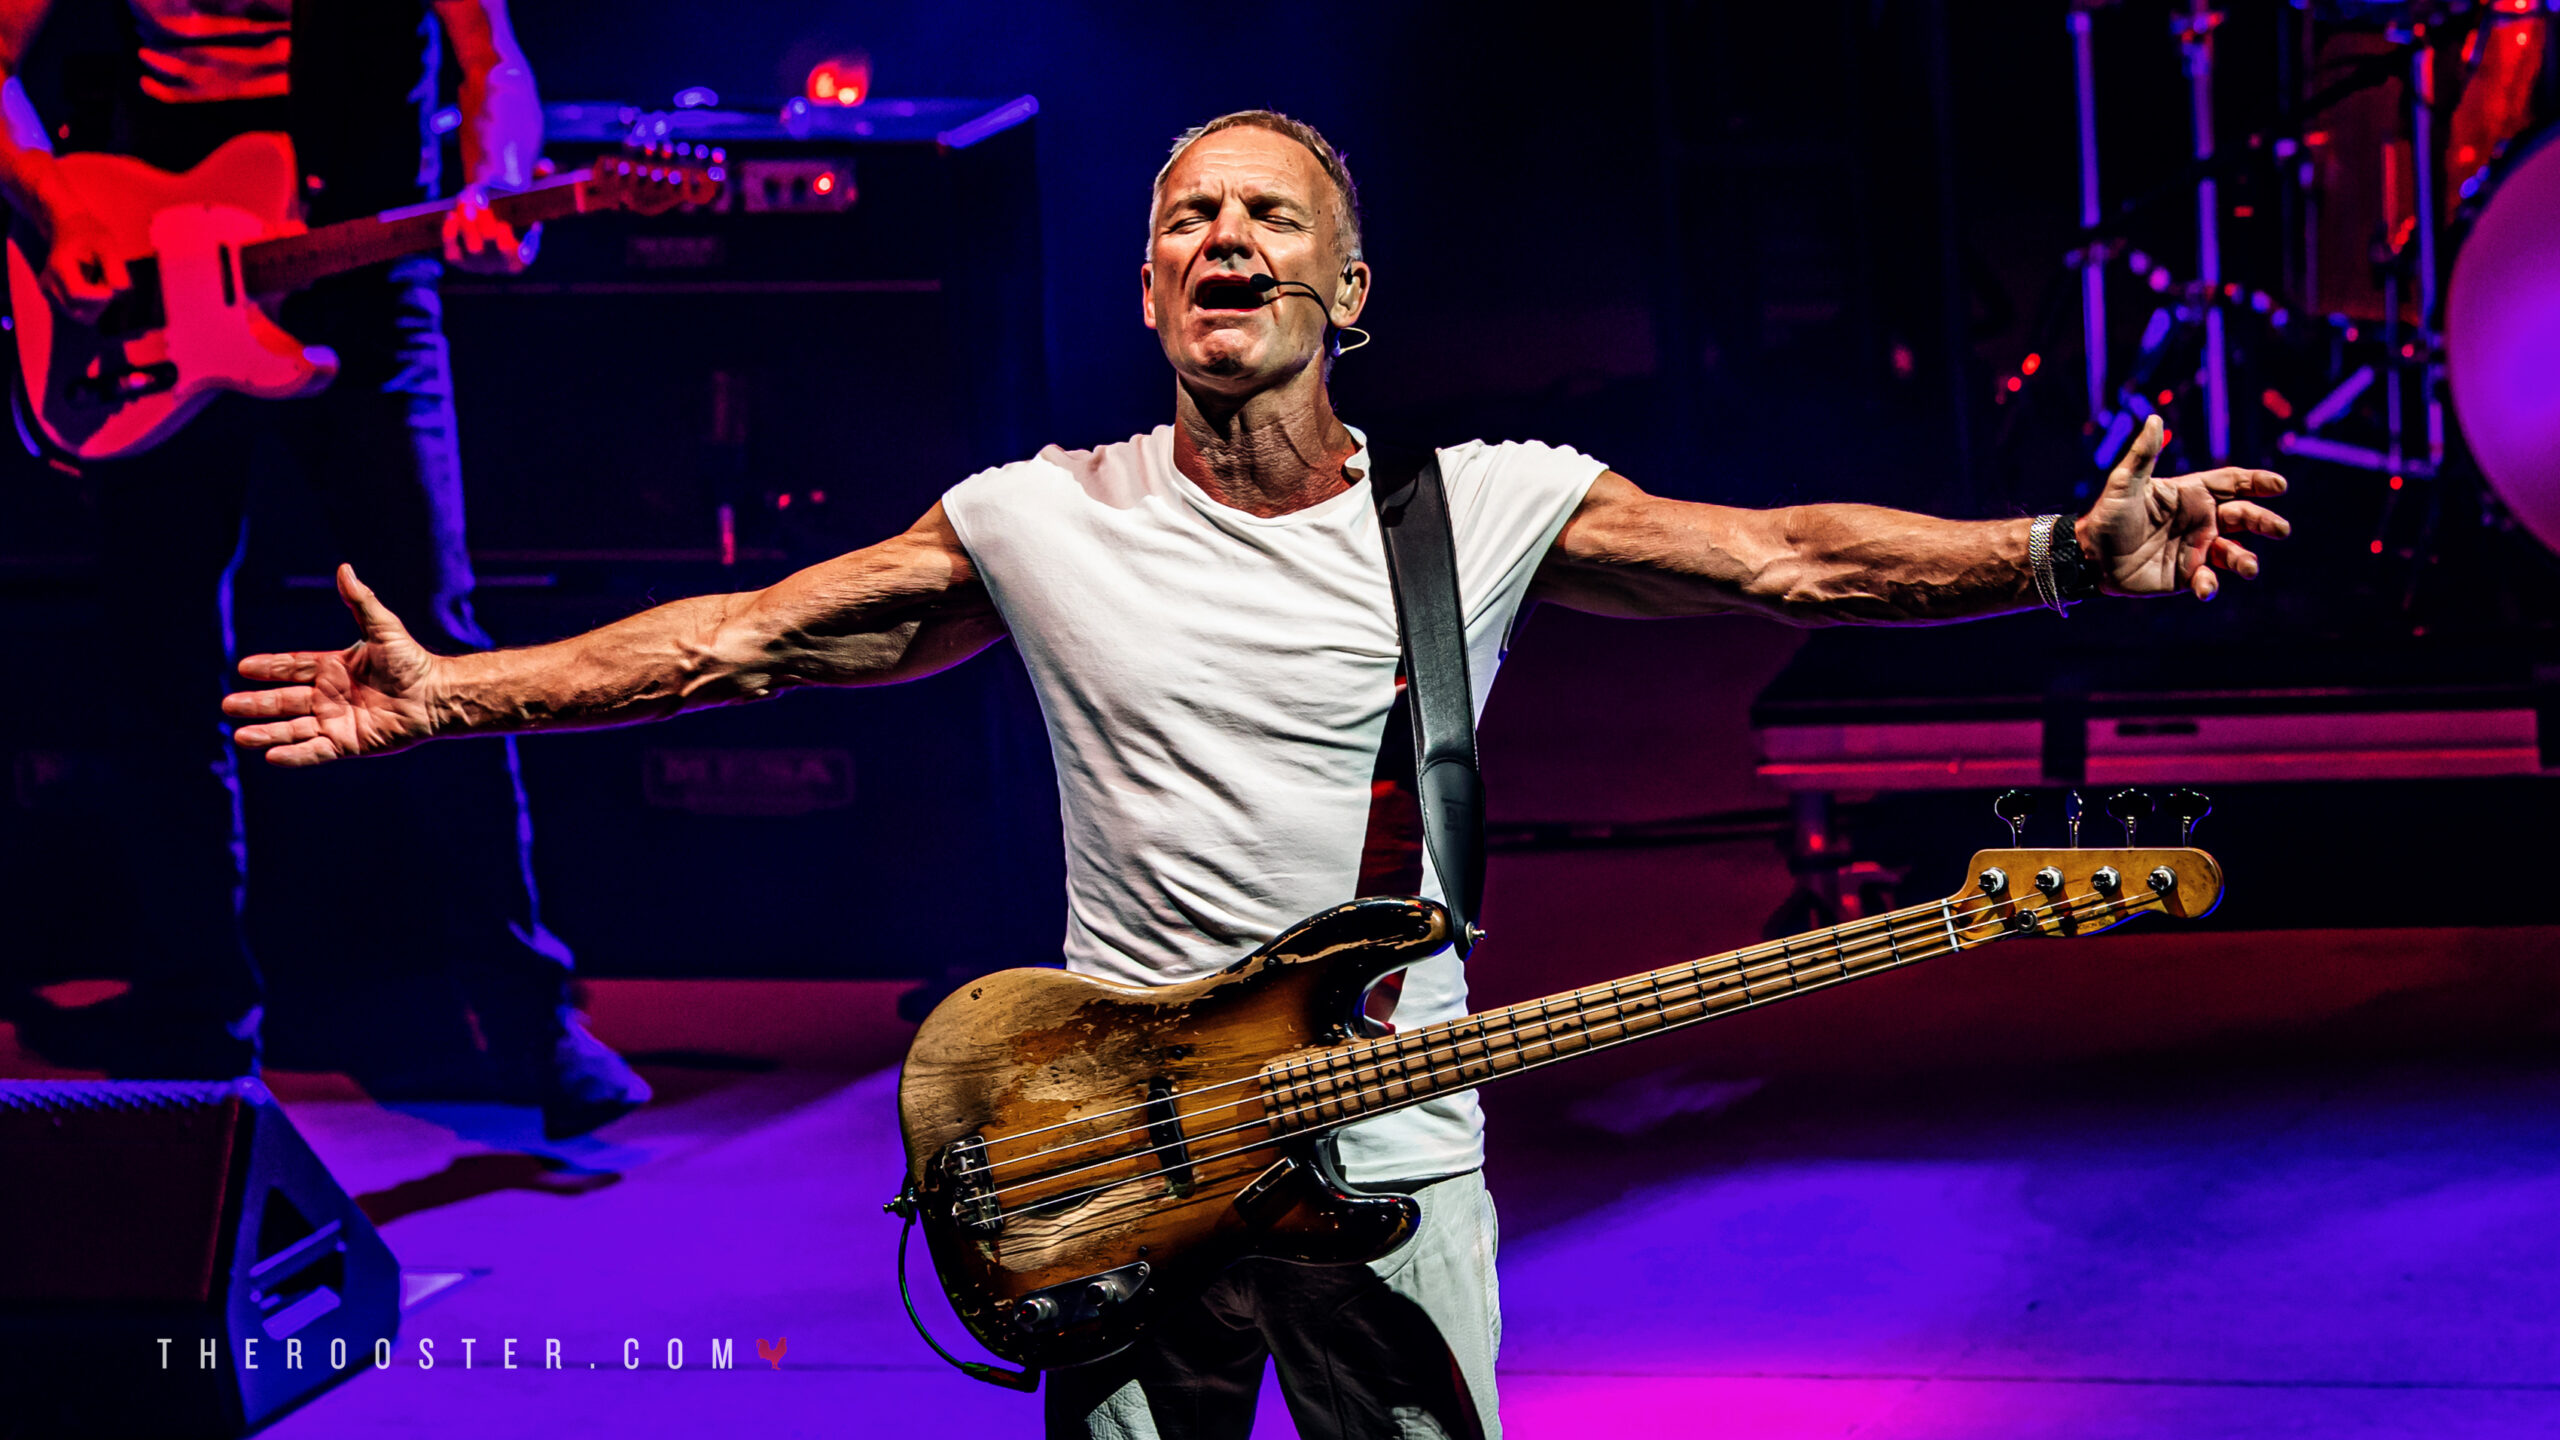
(1025, 1380)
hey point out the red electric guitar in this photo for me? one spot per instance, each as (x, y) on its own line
(214, 250)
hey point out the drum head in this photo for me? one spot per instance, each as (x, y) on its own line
(2502, 339)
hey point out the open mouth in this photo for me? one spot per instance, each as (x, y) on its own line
(1227, 292)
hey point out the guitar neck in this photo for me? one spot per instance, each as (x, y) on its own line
(1336, 1086)
(290, 262)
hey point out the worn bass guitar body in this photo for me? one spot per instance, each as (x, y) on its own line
(212, 252)
(1082, 1154)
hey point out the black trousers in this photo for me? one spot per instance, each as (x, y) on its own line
(1401, 1349)
(419, 864)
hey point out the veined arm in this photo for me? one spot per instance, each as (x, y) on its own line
(1625, 552)
(898, 610)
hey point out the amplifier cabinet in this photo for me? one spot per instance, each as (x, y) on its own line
(816, 372)
(698, 401)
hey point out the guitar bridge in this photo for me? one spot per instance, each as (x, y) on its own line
(973, 1194)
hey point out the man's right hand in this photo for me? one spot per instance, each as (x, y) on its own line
(371, 698)
(82, 269)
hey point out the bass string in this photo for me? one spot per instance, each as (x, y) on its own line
(1927, 915)
(1929, 927)
(1931, 917)
(1723, 982)
(1898, 942)
(1090, 1191)
(1846, 966)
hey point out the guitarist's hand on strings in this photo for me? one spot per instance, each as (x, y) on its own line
(373, 697)
(2150, 535)
(477, 240)
(82, 270)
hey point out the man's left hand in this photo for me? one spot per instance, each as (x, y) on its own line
(2153, 536)
(477, 240)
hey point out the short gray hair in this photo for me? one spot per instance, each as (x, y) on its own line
(1337, 167)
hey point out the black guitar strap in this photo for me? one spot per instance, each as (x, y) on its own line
(1422, 565)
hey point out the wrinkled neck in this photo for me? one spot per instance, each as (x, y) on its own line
(1269, 453)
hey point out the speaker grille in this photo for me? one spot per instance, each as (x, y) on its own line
(118, 1187)
(91, 1095)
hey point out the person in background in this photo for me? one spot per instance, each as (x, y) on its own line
(352, 84)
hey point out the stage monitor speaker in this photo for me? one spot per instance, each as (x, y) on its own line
(174, 1261)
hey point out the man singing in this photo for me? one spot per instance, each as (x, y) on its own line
(1205, 611)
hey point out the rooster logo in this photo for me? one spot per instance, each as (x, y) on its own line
(772, 1353)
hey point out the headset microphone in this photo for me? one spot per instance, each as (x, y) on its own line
(1271, 287)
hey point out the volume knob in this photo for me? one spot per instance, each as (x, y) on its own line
(1035, 1314)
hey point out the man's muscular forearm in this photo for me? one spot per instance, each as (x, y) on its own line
(1869, 565)
(501, 112)
(896, 611)
(1628, 553)
(1624, 552)
(678, 656)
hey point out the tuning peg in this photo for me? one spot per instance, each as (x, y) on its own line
(2071, 812)
(2126, 808)
(2013, 807)
(2187, 807)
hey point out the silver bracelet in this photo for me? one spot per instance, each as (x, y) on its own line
(2040, 563)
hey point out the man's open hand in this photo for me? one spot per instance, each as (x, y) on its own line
(373, 697)
(2153, 536)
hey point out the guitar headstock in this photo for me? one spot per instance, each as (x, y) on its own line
(2080, 892)
(659, 175)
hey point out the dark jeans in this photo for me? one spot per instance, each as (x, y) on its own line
(420, 862)
(1399, 1349)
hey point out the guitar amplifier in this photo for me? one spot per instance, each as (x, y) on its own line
(702, 401)
(667, 406)
(798, 370)
(174, 1261)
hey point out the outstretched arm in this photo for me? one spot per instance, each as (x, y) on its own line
(898, 610)
(1628, 553)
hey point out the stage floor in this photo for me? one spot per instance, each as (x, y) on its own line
(2190, 1248)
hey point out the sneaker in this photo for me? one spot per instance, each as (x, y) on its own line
(587, 1085)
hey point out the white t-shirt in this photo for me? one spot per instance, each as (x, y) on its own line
(1216, 687)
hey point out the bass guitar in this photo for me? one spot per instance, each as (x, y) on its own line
(1083, 1154)
(213, 251)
